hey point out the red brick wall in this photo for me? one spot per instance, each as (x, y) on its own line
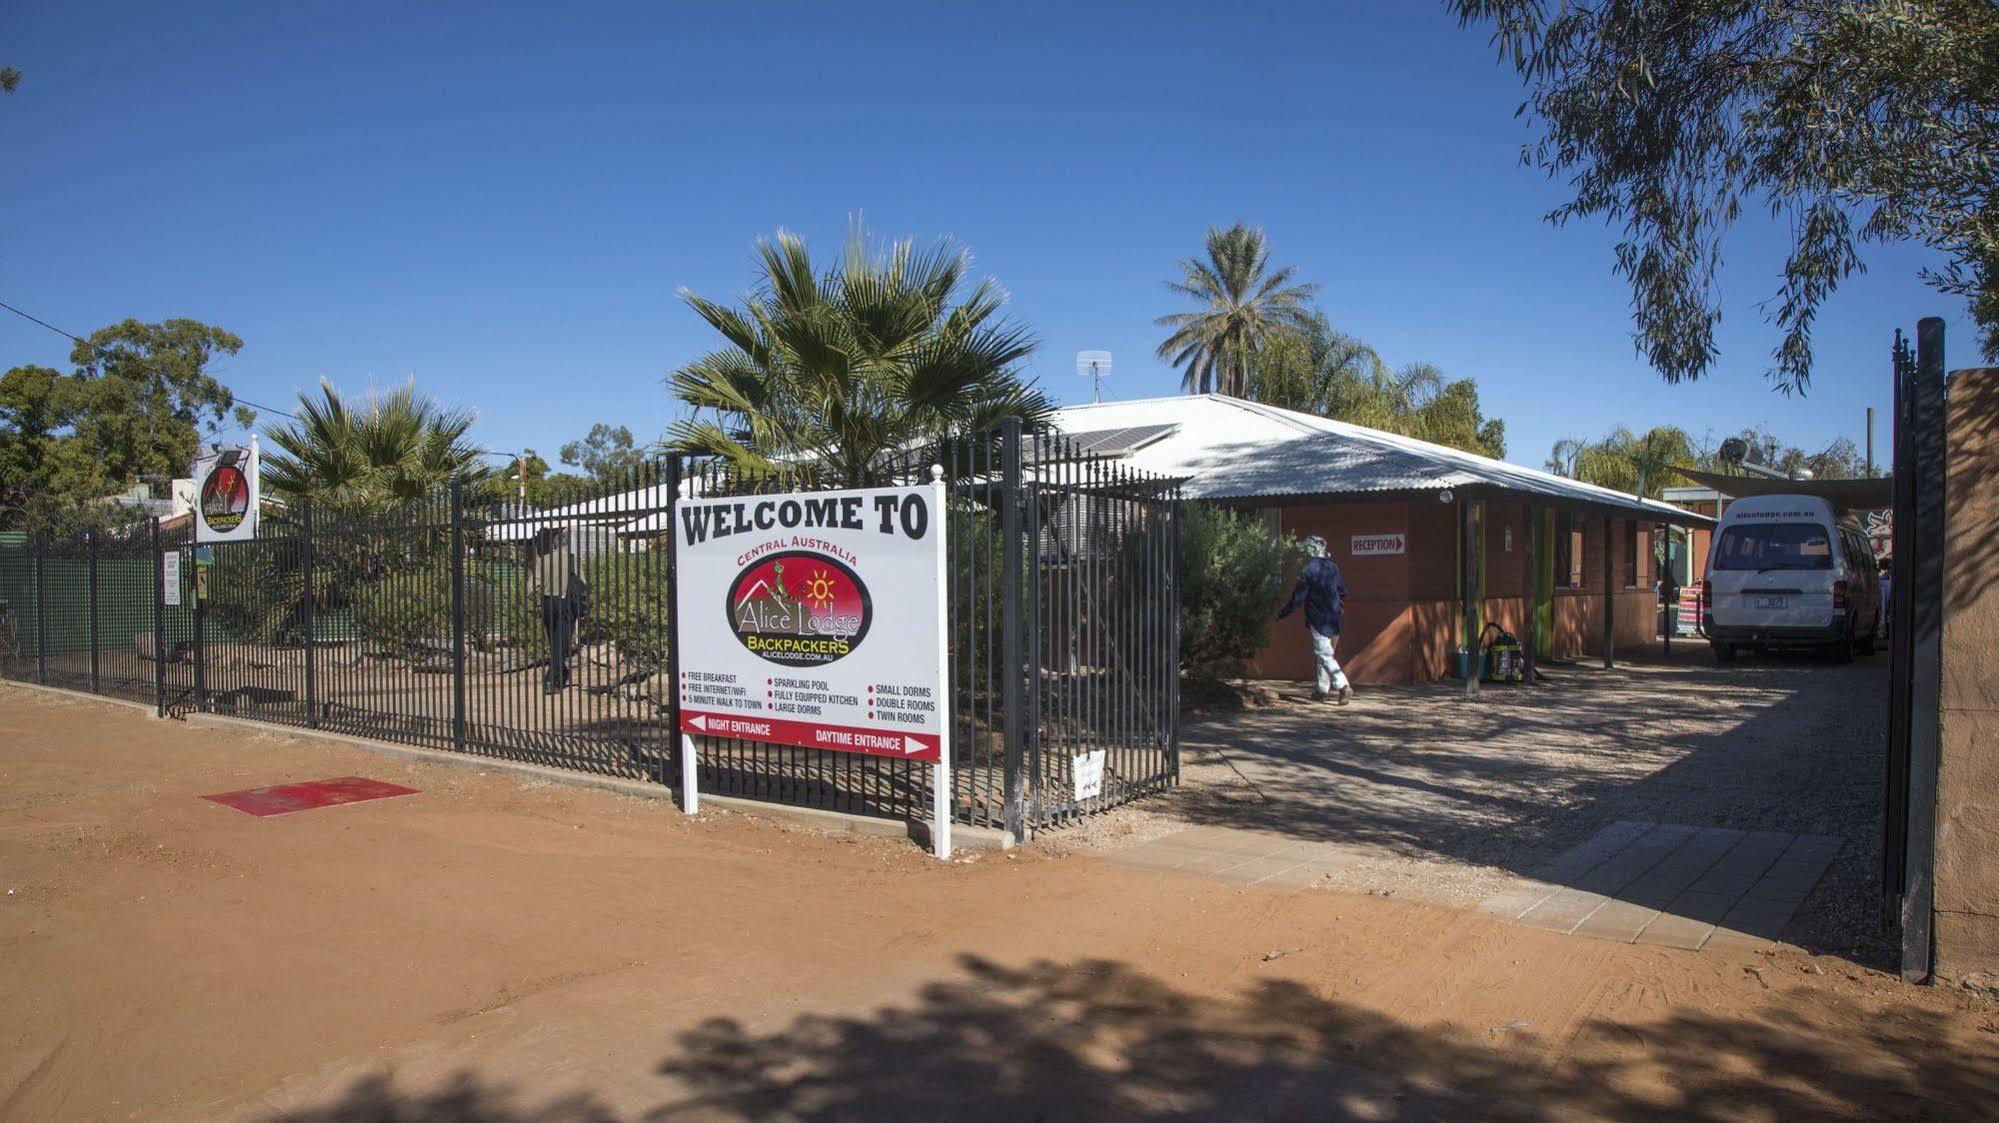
(1403, 611)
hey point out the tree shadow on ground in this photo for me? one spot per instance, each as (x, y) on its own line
(1096, 1040)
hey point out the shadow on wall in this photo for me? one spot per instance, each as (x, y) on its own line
(1972, 530)
(1100, 1040)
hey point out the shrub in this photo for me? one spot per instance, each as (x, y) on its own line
(404, 615)
(628, 603)
(1231, 580)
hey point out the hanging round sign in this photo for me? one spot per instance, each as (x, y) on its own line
(225, 498)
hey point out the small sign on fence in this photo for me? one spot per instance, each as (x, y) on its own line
(170, 577)
(1088, 773)
(817, 619)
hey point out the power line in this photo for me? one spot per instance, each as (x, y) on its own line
(233, 396)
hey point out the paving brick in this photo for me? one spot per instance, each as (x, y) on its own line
(1670, 931)
(1256, 870)
(1706, 908)
(1597, 850)
(1564, 911)
(1514, 902)
(1658, 886)
(1617, 920)
(1632, 862)
(1297, 877)
(1724, 939)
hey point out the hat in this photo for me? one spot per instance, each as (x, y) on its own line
(1315, 546)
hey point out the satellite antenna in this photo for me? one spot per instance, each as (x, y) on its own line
(1094, 364)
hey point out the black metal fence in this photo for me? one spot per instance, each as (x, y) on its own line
(427, 625)
(1915, 648)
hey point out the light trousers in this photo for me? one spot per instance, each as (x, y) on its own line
(1330, 677)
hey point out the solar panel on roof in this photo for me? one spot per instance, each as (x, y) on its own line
(1113, 442)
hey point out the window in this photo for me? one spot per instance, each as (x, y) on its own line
(1630, 553)
(1759, 546)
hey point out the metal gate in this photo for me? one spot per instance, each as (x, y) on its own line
(424, 625)
(1915, 647)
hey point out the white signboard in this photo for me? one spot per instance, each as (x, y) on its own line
(817, 619)
(170, 577)
(1377, 545)
(1088, 773)
(226, 493)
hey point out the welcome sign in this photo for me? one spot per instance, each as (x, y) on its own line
(815, 619)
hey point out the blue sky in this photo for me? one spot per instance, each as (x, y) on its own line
(505, 202)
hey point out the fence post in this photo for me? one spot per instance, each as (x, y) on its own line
(200, 631)
(159, 622)
(41, 610)
(1173, 623)
(1010, 681)
(311, 596)
(90, 542)
(457, 616)
(672, 624)
(1919, 579)
(683, 750)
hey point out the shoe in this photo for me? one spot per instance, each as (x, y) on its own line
(1320, 696)
(1346, 695)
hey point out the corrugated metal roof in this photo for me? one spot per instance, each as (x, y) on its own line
(1229, 448)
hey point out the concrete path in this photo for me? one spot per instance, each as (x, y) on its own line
(1635, 882)
(1238, 857)
(1672, 885)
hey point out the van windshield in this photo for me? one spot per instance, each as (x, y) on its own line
(1773, 546)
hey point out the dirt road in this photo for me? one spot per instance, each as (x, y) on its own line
(492, 950)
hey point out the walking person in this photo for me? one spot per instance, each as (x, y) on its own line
(562, 587)
(1321, 589)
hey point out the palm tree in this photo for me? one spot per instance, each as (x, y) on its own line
(838, 373)
(393, 449)
(1562, 458)
(1243, 302)
(1314, 370)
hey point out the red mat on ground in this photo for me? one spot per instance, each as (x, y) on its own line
(281, 799)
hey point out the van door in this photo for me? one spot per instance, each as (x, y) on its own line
(1773, 575)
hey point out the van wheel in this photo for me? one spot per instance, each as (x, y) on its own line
(1723, 652)
(1867, 645)
(1841, 650)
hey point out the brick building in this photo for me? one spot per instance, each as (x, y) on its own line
(1434, 542)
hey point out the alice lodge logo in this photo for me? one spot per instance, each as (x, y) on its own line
(799, 608)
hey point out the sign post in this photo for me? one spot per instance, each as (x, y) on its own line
(817, 619)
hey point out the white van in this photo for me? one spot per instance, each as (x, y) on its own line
(1787, 571)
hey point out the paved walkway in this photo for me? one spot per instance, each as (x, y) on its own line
(1634, 882)
(1238, 857)
(1672, 885)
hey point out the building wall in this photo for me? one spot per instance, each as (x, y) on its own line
(1967, 812)
(1403, 615)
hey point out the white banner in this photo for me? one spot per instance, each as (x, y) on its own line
(226, 493)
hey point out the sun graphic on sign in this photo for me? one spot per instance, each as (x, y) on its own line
(819, 589)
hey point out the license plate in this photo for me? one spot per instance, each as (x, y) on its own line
(1772, 602)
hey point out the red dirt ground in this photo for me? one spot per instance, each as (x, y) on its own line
(499, 951)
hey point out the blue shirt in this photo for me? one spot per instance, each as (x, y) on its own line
(1320, 589)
